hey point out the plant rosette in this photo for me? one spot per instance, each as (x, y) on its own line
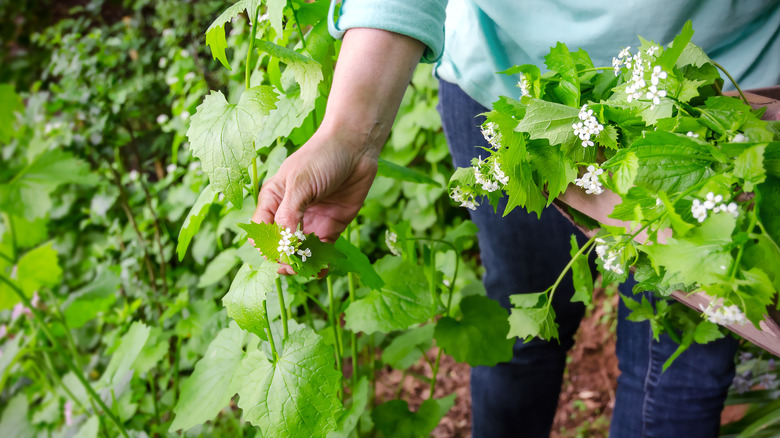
(686, 179)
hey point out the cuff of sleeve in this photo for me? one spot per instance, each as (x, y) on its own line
(422, 20)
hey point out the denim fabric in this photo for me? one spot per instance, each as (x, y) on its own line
(524, 254)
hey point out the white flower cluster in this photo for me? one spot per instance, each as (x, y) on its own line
(723, 315)
(290, 244)
(492, 136)
(640, 63)
(590, 181)
(587, 127)
(714, 203)
(525, 85)
(391, 239)
(494, 179)
(465, 199)
(610, 258)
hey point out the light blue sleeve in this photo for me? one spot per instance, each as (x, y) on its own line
(422, 20)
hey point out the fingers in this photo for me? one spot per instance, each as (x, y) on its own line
(268, 201)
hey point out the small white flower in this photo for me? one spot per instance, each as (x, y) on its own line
(300, 236)
(167, 32)
(657, 75)
(699, 211)
(162, 119)
(723, 315)
(624, 53)
(590, 181)
(616, 64)
(390, 240)
(658, 202)
(171, 80)
(525, 85)
(740, 138)
(189, 76)
(654, 94)
(133, 175)
(651, 51)
(35, 300)
(170, 168)
(692, 134)
(491, 135)
(184, 53)
(162, 62)
(304, 253)
(184, 115)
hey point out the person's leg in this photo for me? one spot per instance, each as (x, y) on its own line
(521, 254)
(686, 400)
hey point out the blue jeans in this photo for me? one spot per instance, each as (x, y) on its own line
(524, 254)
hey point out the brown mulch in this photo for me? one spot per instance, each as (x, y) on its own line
(587, 395)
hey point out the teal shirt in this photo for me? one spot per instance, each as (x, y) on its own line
(482, 37)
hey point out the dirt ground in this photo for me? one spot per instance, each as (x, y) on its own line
(587, 395)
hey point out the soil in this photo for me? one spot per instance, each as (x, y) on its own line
(587, 394)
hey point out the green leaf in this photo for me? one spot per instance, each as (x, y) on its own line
(129, 348)
(10, 104)
(215, 34)
(679, 225)
(28, 194)
(408, 347)
(349, 419)
(551, 121)
(555, 170)
(702, 257)
(193, 220)
(403, 301)
(308, 72)
(355, 261)
(581, 275)
(400, 173)
(532, 317)
(706, 332)
(480, 337)
(288, 115)
(222, 136)
(395, 420)
(27, 233)
(39, 268)
(93, 299)
(689, 89)
(624, 166)
(212, 383)
(15, 422)
(749, 166)
(770, 205)
(218, 268)
(266, 238)
(532, 74)
(670, 162)
(295, 396)
(276, 15)
(244, 300)
(692, 55)
(560, 61)
(670, 55)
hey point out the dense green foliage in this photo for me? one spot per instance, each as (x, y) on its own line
(124, 231)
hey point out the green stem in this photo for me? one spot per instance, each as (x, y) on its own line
(432, 283)
(270, 335)
(333, 322)
(255, 182)
(297, 24)
(735, 267)
(282, 307)
(733, 81)
(76, 371)
(153, 388)
(566, 269)
(10, 224)
(670, 331)
(176, 362)
(595, 69)
(435, 373)
(251, 45)
(68, 335)
(353, 335)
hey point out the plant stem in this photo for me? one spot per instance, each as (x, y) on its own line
(297, 24)
(353, 335)
(176, 361)
(255, 182)
(336, 332)
(251, 45)
(270, 335)
(153, 388)
(435, 372)
(566, 269)
(733, 81)
(282, 307)
(77, 371)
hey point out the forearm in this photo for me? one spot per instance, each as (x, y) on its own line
(372, 73)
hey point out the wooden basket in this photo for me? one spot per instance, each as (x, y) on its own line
(767, 335)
